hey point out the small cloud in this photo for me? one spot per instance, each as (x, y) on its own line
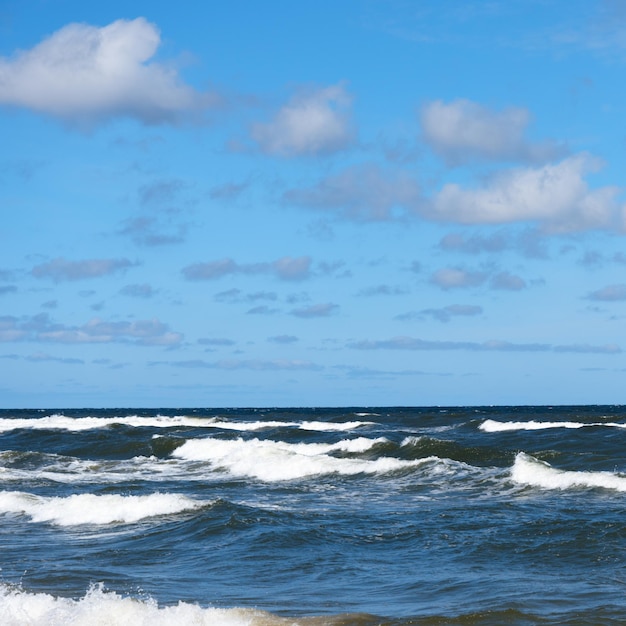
(462, 131)
(286, 268)
(283, 339)
(41, 357)
(508, 282)
(138, 291)
(587, 349)
(382, 290)
(227, 191)
(362, 193)
(160, 191)
(230, 295)
(6, 289)
(457, 278)
(244, 364)
(261, 310)
(61, 269)
(444, 314)
(610, 293)
(316, 310)
(493, 345)
(262, 295)
(313, 122)
(220, 342)
(147, 231)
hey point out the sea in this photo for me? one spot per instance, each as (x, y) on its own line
(313, 516)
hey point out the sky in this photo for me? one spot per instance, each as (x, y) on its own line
(356, 203)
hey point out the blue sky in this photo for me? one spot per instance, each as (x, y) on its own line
(294, 204)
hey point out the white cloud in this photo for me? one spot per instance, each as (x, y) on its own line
(555, 195)
(464, 130)
(86, 74)
(313, 122)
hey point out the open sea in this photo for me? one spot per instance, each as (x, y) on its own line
(364, 516)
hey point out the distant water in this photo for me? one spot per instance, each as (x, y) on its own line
(427, 516)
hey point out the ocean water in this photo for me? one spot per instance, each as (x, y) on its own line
(365, 516)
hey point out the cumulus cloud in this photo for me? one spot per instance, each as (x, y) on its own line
(610, 293)
(493, 345)
(363, 192)
(88, 74)
(312, 122)
(285, 268)
(138, 291)
(463, 130)
(61, 269)
(41, 328)
(555, 195)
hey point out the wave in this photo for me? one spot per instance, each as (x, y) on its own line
(493, 426)
(77, 424)
(273, 461)
(528, 470)
(19, 607)
(95, 509)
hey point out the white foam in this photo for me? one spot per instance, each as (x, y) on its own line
(77, 424)
(95, 509)
(333, 426)
(493, 426)
(63, 422)
(99, 607)
(275, 461)
(530, 471)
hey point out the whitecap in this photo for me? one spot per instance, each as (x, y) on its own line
(98, 607)
(528, 470)
(273, 461)
(494, 426)
(95, 509)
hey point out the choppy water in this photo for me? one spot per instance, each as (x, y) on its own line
(370, 516)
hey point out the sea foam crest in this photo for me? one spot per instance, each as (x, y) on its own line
(493, 426)
(76, 424)
(100, 607)
(275, 461)
(95, 509)
(528, 470)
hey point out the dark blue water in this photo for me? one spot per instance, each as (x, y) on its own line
(455, 515)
